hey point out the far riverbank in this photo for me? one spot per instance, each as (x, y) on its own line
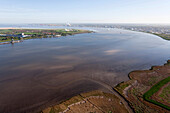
(15, 35)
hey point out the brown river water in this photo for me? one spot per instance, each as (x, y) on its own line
(40, 72)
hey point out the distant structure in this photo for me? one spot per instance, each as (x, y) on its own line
(19, 36)
(12, 40)
(68, 24)
(67, 30)
(11, 35)
(22, 34)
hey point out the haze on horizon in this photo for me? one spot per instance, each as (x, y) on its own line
(84, 11)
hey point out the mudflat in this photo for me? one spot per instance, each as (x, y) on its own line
(38, 73)
(94, 101)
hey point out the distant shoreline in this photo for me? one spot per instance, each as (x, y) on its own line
(19, 34)
(163, 36)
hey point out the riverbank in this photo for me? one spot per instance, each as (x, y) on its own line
(125, 97)
(140, 82)
(94, 101)
(16, 34)
(161, 35)
(164, 36)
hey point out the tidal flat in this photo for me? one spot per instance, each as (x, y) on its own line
(41, 72)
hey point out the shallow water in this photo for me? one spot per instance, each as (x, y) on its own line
(38, 72)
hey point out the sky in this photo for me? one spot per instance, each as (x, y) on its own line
(84, 11)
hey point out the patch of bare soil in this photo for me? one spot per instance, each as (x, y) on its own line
(91, 102)
(141, 82)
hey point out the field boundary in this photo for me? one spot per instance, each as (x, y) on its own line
(153, 90)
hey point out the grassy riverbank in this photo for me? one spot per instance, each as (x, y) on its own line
(145, 87)
(38, 33)
(164, 36)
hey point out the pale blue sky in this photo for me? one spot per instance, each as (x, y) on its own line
(85, 11)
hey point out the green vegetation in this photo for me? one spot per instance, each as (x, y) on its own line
(165, 92)
(7, 39)
(153, 80)
(121, 86)
(38, 33)
(73, 100)
(164, 36)
(153, 90)
(52, 110)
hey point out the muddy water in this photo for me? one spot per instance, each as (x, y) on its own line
(39, 72)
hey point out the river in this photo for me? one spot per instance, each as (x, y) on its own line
(39, 72)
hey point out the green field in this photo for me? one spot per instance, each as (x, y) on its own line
(38, 33)
(153, 90)
(164, 94)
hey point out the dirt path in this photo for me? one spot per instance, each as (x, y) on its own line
(125, 91)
